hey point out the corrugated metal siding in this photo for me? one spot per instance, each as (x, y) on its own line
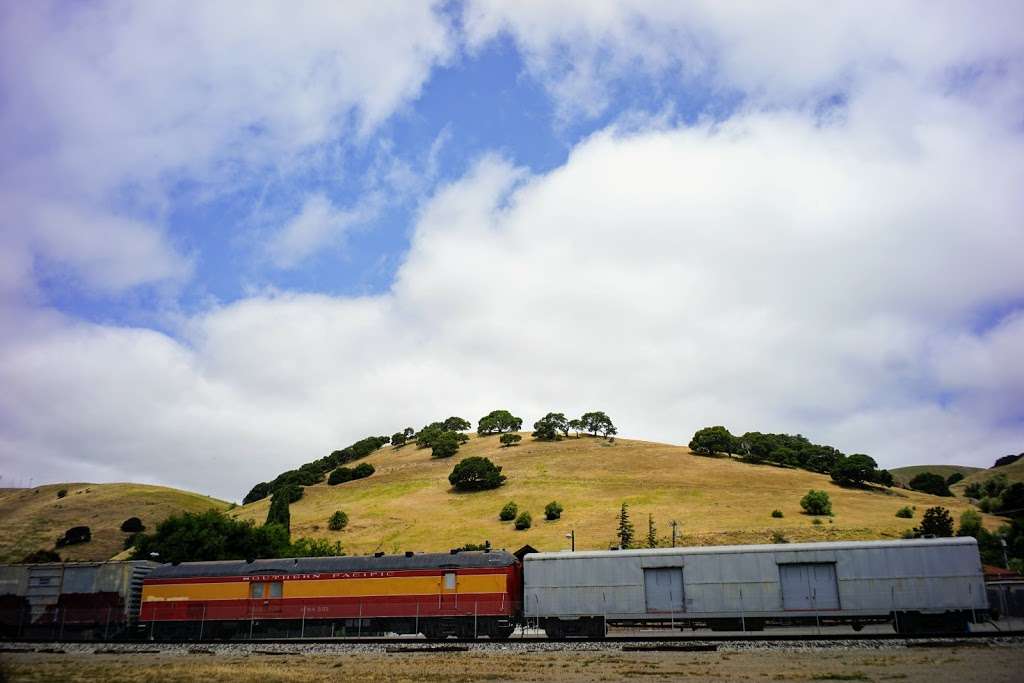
(871, 577)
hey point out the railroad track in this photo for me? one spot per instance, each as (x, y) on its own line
(654, 640)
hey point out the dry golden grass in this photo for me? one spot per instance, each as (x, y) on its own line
(34, 518)
(409, 505)
(924, 665)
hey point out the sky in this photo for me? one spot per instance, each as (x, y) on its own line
(237, 236)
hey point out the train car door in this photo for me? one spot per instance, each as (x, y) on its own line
(809, 586)
(663, 589)
(449, 597)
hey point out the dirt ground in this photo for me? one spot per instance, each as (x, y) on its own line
(928, 665)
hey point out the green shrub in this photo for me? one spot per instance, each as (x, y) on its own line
(990, 504)
(510, 440)
(777, 514)
(40, 556)
(816, 503)
(929, 482)
(75, 535)
(778, 537)
(524, 521)
(363, 470)
(509, 512)
(445, 444)
(970, 524)
(476, 474)
(132, 525)
(338, 521)
(905, 513)
(954, 478)
(62, 493)
(553, 510)
(816, 521)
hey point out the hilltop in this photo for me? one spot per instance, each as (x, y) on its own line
(408, 503)
(34, 518)
(1014, 473)
(905, 474)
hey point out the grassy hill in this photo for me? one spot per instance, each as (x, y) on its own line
(905, 474)
(1014, 472)
(34, 518)
(409, 505)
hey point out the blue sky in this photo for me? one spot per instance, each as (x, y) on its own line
(250, 237)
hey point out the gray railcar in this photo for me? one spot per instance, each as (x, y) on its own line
(919, 585)
(71, 599)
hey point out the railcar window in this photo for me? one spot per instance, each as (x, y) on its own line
(256, 589)
(449, 581)
(276, 589)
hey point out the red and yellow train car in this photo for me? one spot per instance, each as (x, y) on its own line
(466, 594)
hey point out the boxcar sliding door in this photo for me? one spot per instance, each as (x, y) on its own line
(809, 586)
(663, 589)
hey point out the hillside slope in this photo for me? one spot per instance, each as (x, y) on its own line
(905, 474)
(1014, 472)
(408, 504)
(33, 519)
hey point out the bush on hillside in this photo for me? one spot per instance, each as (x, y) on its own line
(524, 521)
(314, 547)
(929, 482)
(338, 521)
(816, 503)
(937, 522)
(62, 493)
(476, 474)
(553, 510)
(258, 492)
(363, 470)
(74, 536)
(992, 487)
(132, 525)
(777, 514)
(508, 512)
(954, 478)
(398, 439)
(508, 440)
(40, 556)
(1007, 460)
(970, 524)
(778, 537)
(208, 536)
(340, 476)
(905, 512)
(445, 445)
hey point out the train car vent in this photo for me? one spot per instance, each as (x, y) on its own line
(408, 553)
(378, 554)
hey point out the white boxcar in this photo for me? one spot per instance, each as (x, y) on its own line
(922, 584)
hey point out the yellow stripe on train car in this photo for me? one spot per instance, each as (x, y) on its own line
(390, 586)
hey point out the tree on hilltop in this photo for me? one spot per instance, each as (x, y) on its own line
(855, 470)
(711, 440)
(551, 427)
(596, 423)
(476, 474)
(498, 421)
(456, 424)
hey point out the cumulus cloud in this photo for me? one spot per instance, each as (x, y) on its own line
(775, 53)
(126, 101)
(852, 276)
(771, 273)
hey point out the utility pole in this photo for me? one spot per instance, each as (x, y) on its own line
(572, 538)
(674, 525)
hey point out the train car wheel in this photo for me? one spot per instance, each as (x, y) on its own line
(554, 629)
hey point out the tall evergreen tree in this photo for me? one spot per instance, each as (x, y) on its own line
(652, 533)
(625, 531)
(279, 512)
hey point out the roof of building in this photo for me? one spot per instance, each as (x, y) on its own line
(358, 563)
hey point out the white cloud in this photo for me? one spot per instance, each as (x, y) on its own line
(127, 100)
(769, 273)
(777, 52)
(317, 224)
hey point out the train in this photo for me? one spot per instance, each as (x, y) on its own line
(917, 586)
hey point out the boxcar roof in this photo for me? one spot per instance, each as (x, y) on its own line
(307, 565)
(772, 547)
